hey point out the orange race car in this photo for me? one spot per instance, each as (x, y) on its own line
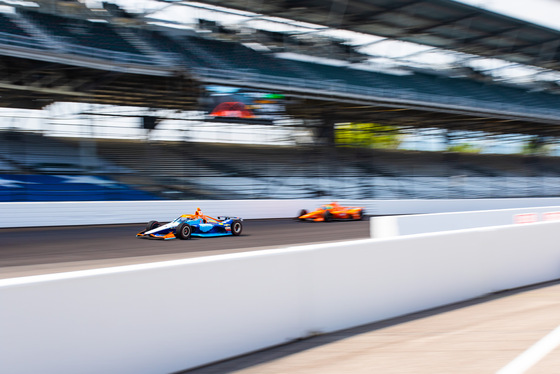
(333, 211)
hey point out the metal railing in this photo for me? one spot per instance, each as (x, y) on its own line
(19, 40)
(105, 54)
(75, 49)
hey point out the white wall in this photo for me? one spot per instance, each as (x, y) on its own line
(170, 316)
(389, 226)
(387, 207)
(113, 212)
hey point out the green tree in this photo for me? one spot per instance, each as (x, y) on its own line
(537, 145)
(367, 135)
(464, 148)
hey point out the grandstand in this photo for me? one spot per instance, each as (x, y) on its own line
(37, 168)
(222, 171)
(66, 52)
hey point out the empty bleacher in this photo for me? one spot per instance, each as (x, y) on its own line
(38, 168)
(231, 59)
(32, 187)
(7, 167)
(223, 171)
(38, 154)
(7, 26)
(81, 32)
(94, 39)
(201, 170)
(12, 34)
(234, 57)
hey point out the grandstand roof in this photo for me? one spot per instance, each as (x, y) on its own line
(33, 84)
(439, 23)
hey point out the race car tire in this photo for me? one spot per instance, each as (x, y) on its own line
(359, 216)
(236, 228)
(152, 225)
(301, 213)
(183, 231)
(362, 214)
(327, 216)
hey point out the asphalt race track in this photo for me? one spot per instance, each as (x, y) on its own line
(31, 251)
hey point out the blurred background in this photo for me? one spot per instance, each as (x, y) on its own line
(147, 100)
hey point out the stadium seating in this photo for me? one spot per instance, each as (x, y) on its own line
(87, 38)
(6, 166)
(12, 34)
(233, 57)
(82, 32)
(9, 27)
(222, 171)
(38, 168)
(29, 187)
(37, 154)
(230, 59)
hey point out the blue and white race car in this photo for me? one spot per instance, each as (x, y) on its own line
(196, 224)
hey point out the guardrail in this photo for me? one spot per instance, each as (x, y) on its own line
(171, 316)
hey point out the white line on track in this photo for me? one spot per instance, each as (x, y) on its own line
(534, 354)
